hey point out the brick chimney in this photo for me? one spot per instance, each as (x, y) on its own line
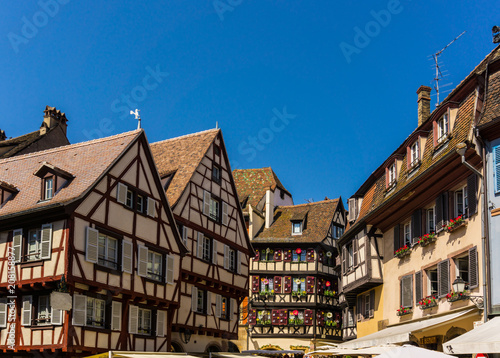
(2, 135)
(424, 104)
(51, 118)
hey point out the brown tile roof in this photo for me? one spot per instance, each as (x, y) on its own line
(181, 155)
(252, 184)
(86, 161)
(18, 143)
(492, 105)
(318, 220)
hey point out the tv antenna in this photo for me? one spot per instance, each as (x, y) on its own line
(439, 74)
(137, 116)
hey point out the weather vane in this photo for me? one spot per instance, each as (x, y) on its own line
(137, 116)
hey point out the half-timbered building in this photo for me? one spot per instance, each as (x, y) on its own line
(91, 254)
(197, 178)
(293, 301)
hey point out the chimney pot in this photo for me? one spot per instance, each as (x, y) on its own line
(424, 103)
(53, 117)
(3, 136)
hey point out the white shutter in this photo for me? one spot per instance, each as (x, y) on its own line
(231, 308)
(133, 320)
(170, 269)
(184, 235)
(199, 252)
(79, 310)
(214, 252)
(127, 256)
(225, 218)
(194, 299)
(46, 241)
(116, 316)
(26, 312)
(209, 303)
(142, 261)
(226, 257)
(218, 306)
(151, 207)
(121, 193)
(3, 312)
(238, 262)
(92, 237)
(206, 202)
(160, 323)
(352, 209)
(17, 244)
(496, 170)
(56, 316)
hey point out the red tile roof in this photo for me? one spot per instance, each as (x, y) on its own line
(87, 161)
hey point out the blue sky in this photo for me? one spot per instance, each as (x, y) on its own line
(320, 91)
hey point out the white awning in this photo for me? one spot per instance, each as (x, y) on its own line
(350, 351)
(131, 354)
(483, 339)
(401, 333)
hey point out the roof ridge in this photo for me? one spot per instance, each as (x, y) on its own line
(69, 146)
(306, 204)
(187, 136)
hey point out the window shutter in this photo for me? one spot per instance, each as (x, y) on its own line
(116, 316)
(443, 269)
(142, 260)
(226, 257)
(79, 310)
(310, 255)
(206, 202)
(287, 255)
(355, 251)
(320, 286)
(275, 317)
(209, 303)
(46, 241)
(308, 317)
(232, 306)
(26, 315)
(418, 286)
(252, 316)
(121, 193)
(170, 269)
(288, 284)
(310, 284)
(225, 217)
(194, 299)
(320, 318)
(215, 255)
(352, 212)
(255, 284)
(218, 306)
(372, 303)
(283, 317)
(238, 262)
(92, 237)
(133, 319)
(277, 255)
(257, 255)
(446, 206)
(127, 256)
(359, 308)
(416, 225)
(496, 170)
(396, 238)
(184, 235)
(344, 257)
(151, 207)
(160, 323)
(407, 291)
(439, 213)
(17, 244)
(56, 316)
(277, 284)
(471, 194)
(473, 274)
(3, 312)
(199, 251)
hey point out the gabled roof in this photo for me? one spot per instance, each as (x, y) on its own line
(252, 184)
(19, 143)
(492, 104)
(181, 156)
(87, 161)
(318, 218)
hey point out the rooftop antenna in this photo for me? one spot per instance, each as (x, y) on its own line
(137, 116)
(216, 124)
(439, 75)
(496, 34)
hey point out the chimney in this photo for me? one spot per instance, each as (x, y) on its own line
(424, 104)
(2, 135)
(269, 208)
(51, 118)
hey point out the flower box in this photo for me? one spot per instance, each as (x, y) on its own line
(455, 224)
(457, 296)
(427, 302)
(404, 311)
(427, 239)
(402, 252)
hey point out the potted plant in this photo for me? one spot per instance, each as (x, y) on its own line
(427, 239)
(457, 296)
(402, 252)
(427, 302)
(303, 293)
(456, 223)
(404, 311)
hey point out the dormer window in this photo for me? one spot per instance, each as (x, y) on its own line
(297, 228)
(414, 154)
(442, 127)
(53, 179)
(298, 220)
(391, 175)
(48, 188)
(7, 191)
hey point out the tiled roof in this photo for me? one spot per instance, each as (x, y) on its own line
(19, 143)
(181, 155)
(319, 217)
(492, 106)
(87, 161)
(252, 184)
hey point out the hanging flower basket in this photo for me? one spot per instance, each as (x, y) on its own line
(427, 239)
(455, 224)
(427, 302)
(457, 296)
(402, 252)
(404, 311)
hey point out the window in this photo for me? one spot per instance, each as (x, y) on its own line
(282, 194)
(264, 317)
(365, 307)
(461, 202)
(232, 259)
(299, 285)
(142, 204)
(201, 297)
(48, 188)
(224, 307)
(407, 233)
(130, 199)
(462, 268)
(350, 255)
(430, 220)
(350, 318)
(144, 321)
(442, 128)
(299, 255)
(266, 284)
(34, 245)
(296, 227)
(391, 175)
(139, 202)
(43, 316)
(216, 173)
(407, 291)
(414, 154)
(433, 284)
(207, 245)
(211, 206)
(216, 150)
(95, 312)
(296, 317)
(155, 261)
(107, 251)
(183, 232)
(337, 231)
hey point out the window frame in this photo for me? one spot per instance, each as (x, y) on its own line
(94, 310)
(350, 256)
(463, 202)
(201, 301)
(53, 181)
(407, 237)
(443, 128)
(432, 291)
(225, 308)
(140, 321)
(216, 173)
(427, 220)
(294, 226)
(414, 154)
(102, 261)
(391, 175)
(151, 274)
(456, 261)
